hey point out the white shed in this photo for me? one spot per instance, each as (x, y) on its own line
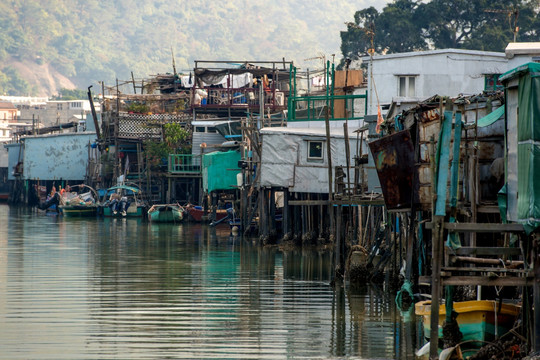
(213, 132)
(519, 53)
(297, 158)
(421, 74)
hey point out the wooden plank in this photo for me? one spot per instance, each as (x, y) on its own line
(484, 269)
(480, 227)
(488, 209)
(308, 202)
(484, 261)
(479, 280)
(486, 281)
(354, 78)
(488, 251)
(353, 201)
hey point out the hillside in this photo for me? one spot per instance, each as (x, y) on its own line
(48, 45)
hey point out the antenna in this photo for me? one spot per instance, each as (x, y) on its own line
(514, 12)
(321, 57)
(369, 31)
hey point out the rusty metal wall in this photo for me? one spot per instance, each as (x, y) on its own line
(394, 161)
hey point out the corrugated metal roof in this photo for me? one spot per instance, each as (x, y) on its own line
(335, 133)
(518, 71)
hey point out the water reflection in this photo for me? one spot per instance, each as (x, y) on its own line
(123, 288)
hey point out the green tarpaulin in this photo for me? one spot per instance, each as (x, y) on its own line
(219, 170)
(528, 142)
(491, 117)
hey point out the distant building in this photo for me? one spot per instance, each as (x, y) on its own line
(8, 116)
(8, 112)
(56, 112)
(25, 101)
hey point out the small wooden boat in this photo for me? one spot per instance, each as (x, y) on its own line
(480, 320)
(196, 213)
(79, 210)
(166, 213)
(136, 206)
(72, 204)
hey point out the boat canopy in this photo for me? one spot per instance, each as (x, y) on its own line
(125, 187)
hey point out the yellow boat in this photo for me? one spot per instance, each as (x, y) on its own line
(480, 320)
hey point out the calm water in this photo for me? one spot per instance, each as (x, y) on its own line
(126, 289)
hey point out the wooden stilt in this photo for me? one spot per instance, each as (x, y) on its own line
(286, 212)
(338, 268)
(272, 201)
(435, 285)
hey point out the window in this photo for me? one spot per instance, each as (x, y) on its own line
(58, 106)
(77, 105)
(199, 129)
(406, 86)
(315, 150)
(492, 83)
(211, 129)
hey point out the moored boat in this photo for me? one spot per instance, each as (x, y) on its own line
(479, 321)
(197, 213)
(79, 210)
(166, 213)
(73, 204)
(128, 203)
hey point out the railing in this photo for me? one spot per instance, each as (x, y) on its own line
(350, 183)
(184, 164)
(241, 98)
(341, 107)
(335, 104)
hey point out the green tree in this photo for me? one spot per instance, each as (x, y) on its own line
(356, 41)
(176, 136)
(175, 141)
(450, 23)
(398, 27)
(11, 83)
(407, 25)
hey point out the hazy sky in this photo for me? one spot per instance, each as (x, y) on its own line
(351, 7)
(379, 4)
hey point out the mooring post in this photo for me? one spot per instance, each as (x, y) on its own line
(214, 205)
(286, 211)
(263, 221)
(339, 269)
(435, 286)
(272, 209)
